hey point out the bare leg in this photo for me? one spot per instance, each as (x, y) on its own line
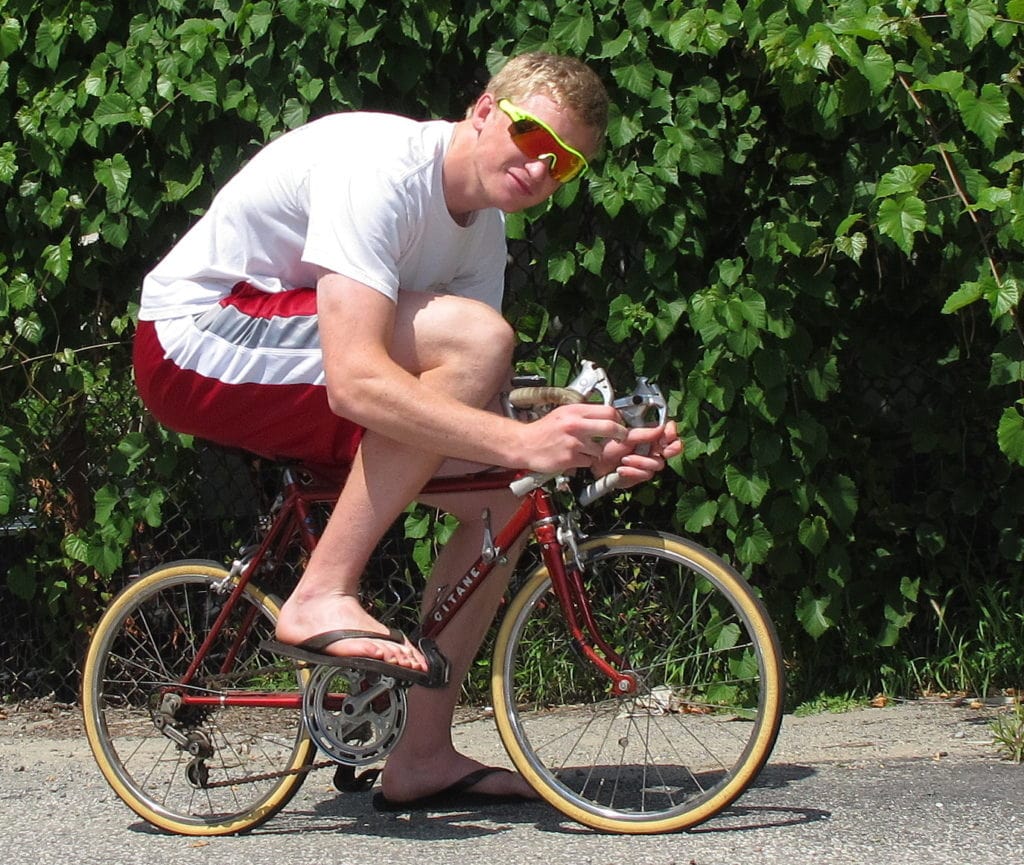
(432, 340)
(425, 759)
(327, 596)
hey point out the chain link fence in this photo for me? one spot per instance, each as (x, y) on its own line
(211, 508)
(893, 397)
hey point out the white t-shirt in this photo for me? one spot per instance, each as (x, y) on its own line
(358, 194)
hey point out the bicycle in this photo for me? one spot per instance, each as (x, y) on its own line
(636, 680)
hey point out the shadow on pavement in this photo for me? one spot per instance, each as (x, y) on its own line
(352, 813)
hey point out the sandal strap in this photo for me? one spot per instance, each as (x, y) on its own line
(321, 641)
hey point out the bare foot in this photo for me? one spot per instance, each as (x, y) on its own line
(304, 618)
(403, 784)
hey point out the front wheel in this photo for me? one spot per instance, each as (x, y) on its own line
(705, 713)
(211, 769)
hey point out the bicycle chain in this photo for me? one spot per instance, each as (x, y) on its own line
(269, 776)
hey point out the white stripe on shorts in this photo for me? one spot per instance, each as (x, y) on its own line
(269, 351)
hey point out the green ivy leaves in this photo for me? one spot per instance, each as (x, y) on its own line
(10, 466)
(1011, 434)
(901, 219)
(986, 114)
(780, 179)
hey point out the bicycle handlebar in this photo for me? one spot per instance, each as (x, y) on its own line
(531, 398)
(635, 411)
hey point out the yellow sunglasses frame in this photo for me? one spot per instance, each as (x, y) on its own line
(516, 114)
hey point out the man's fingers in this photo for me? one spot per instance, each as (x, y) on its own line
(672, 449)
(610, 429)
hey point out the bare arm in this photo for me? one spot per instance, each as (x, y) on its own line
(367, 384)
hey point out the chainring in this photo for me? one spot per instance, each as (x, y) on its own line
(355, 717)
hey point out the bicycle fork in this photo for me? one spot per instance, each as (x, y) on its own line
(555, 535)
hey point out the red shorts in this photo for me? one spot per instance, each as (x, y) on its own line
(248, 373)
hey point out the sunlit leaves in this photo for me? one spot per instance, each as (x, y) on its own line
(30, 327)
(748, 487)
(812, 613)
(972, 19)
(695, 512)
(114, 174)
(194, 35)
(202, 89)
(948, 81)
(8, 162)
(10, 36)
(853, 245)
(1011, 434)
(57, 259)
(986, 114)
(115, 108)
(10, 466)
(636, 77)
(903, 179)
(753, 542)
(573, 26)
(963, 296)
(901, 219)
(878, 68)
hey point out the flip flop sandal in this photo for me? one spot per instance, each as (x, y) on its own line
(312, 652)
(454, 797)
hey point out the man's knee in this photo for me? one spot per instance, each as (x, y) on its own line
(481, 329)
(442, 329)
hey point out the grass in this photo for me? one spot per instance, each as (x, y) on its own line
(1008, 733)
(978, 651)
(830, 703)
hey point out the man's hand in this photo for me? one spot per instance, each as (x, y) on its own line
(571, 436)
(636, 468)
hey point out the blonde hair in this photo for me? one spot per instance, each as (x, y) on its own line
(566, 81)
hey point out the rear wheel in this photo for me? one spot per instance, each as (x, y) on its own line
(209, 770)
(704, 715)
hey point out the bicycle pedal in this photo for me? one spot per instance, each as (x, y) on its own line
(346, 780)
(438, 668)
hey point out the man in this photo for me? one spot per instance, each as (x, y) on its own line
(391, 362)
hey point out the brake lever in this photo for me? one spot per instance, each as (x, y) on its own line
(592, 378)
(635, 411)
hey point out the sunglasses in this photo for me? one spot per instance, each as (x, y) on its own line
(537, 140)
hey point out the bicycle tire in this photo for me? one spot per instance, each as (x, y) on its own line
(141, 647)
(703, 719)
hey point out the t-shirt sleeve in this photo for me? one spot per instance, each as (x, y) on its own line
(358, 226)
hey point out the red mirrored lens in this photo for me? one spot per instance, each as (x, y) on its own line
(536, 142)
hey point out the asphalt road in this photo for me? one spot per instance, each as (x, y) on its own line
(917, 783)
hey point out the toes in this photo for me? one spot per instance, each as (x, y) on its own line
(404, 654)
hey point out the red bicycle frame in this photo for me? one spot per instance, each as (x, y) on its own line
(294, 515)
